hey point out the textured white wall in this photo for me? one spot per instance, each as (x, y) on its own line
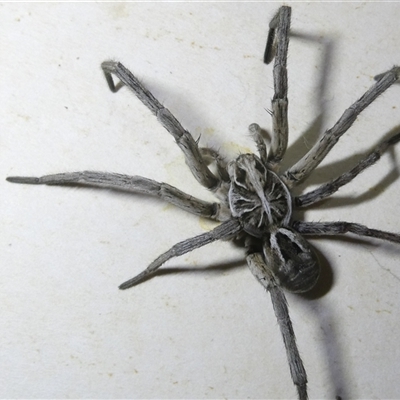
(208, 331)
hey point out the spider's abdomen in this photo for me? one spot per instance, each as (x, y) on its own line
(257, 195)
(291, 259)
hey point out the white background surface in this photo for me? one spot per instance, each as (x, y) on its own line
(207, 330)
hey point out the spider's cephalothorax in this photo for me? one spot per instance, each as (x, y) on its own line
(257, 195)
(256, 202)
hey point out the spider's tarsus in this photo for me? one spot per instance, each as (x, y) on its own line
(134, 281)
(395, 70)
(302, 392)
(32, 180)
(109, 67)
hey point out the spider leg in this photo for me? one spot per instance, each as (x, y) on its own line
(331, 187)
(277, 46)
(342, 227)
(137, 184)
(182, 137)
(265, 277)
(318, 152)
(226, 230)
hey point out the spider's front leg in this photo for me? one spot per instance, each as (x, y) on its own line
(136, 184)
(183, 138)
(277, 46)
(303, 168)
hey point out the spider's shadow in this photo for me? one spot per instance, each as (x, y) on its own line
(299, 148)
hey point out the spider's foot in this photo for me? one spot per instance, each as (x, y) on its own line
(302, 392)
(395, 70)
(134, 281)
(24, 179)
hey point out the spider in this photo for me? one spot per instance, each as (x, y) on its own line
(256, 204)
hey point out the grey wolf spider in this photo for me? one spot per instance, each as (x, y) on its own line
(255, 200)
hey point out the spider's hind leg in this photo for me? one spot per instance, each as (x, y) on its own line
(263, 274)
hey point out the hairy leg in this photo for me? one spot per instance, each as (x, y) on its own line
(136, 184)
(342, 227)
(303, 168)
(226, 230)
(265, 277)
(182, 137)
(277, 46)
(331, 187)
